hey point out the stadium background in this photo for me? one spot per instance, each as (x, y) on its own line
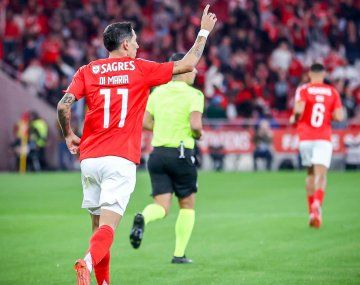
(251, 228)
(258, 55)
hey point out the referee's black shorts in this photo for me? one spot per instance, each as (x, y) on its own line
(171, 174)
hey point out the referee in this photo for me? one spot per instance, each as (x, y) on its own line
(174, 114)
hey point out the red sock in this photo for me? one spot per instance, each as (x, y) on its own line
(102, 270)
(100, 243)
(310, 199)
(319, 195)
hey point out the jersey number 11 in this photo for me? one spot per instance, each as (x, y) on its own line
(107, 95)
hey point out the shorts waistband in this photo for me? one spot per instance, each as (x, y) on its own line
(172, 150)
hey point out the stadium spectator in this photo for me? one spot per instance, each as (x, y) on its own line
(225, 50)
(19, 145)
(217, 107)
(217, 155)
(280, 58)
(12, 36)
(263, 140)
(244, 101)
(352, 42)
(281, 92)
(34, 75)
(348, 101)
(30, 140)
(38, 135)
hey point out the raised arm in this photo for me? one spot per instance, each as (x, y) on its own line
(191, 59)
(64, 118)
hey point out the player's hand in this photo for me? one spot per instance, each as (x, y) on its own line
(73, 142)
(197, 134)
(292, 119)
(208, 20)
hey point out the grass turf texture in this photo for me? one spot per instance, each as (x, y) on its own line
(251, 228)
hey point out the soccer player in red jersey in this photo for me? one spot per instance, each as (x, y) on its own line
(316, 105)
(116, 90)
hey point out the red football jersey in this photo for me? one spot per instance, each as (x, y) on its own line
(320, 102)
(116, 91)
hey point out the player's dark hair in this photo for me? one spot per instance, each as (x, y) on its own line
(317, 67)
(177, 56)
(114, 34)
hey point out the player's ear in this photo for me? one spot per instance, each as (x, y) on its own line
(125, 44)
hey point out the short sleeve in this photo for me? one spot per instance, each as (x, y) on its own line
(77, 85)
(156, 73)
(197, 103)
(300, 94)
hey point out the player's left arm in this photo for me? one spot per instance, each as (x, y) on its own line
(148, 122)
(196, 124)
(192, 57)
(196, 113)
(64, 118)
(338, 113)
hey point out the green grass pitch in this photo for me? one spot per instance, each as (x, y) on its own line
(251, 228)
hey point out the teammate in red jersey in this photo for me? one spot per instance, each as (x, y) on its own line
(316, 105)
(116, 90)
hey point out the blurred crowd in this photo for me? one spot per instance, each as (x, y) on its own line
(253, 62)
(31, 145)
(30, 141)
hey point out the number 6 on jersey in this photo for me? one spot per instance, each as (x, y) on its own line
(107, 95)
(317, 115)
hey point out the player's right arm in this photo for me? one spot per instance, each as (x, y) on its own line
(191, 59)
(64, 118)
(299, 106)
(75, 91)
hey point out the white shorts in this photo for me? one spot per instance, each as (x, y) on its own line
(315, 152)
(107, 183)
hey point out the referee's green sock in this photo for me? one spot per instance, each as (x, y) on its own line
(153, 212)
(183, 228)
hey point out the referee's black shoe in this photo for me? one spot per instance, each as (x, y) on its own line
(181, 260)
(137, 230)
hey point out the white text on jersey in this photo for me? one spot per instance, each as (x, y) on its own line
(117, 79)
(319, 91)
(117, 66)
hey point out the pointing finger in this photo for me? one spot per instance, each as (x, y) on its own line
(206, 9)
